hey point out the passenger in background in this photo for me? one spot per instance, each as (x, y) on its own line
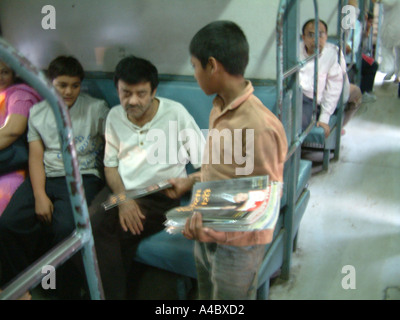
(390, 39)
(132, 129)
(359, 38)
(39, 214)
(16, 99)
(228, 262)
(369, 66)
(332, 78)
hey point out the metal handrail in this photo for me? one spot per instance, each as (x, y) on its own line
(82, 237)
(296, 140)
(282, 75)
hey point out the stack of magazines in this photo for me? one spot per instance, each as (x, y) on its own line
(242, 204)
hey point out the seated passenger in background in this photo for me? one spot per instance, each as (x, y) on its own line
(39, 214)
(369, 66)
(332, 78)
(15, 101)
(145, 144)
(359, 39)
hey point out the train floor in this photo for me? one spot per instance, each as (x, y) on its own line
(348, 243)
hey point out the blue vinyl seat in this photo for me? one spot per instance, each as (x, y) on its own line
(174, 253)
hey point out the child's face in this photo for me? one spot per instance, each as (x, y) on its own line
(69, 88)
(201, 75)
(6, 76)
(309, 37)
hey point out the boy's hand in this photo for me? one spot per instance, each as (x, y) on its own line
(179, 187)
(326, 128)
(194, 230)
(44, 208)
(130, 217)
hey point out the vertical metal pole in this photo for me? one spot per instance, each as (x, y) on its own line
(288, 38)
(315, 96)
(362, 20)
(378, 38)
(339, 114)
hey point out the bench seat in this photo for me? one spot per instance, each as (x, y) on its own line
(174, 253)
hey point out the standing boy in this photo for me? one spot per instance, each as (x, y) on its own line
(228, 262)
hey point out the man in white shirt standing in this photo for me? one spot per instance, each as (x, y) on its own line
(149, 139)
(332, 78)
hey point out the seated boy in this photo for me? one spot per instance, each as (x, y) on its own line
(39, 214)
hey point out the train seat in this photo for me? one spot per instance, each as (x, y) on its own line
(316, 138)
(174, 253)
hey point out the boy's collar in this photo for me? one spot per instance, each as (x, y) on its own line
(242, 97)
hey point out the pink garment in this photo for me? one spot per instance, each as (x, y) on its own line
(17, 99)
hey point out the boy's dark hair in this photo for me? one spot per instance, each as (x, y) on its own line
(226, 42)
(134, 70)
(65, 66)
(313, 21)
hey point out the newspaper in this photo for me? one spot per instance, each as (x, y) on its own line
(242, 204)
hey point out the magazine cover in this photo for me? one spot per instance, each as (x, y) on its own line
(116, 199)
(241, 204)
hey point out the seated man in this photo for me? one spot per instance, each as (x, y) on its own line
(332, 78)
(149, 139)
(39, 214)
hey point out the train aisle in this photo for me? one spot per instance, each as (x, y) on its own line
(348, 246)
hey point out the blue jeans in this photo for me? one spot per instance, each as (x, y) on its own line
(227, 272)
(308, 112)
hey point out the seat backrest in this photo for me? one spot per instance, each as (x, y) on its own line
(190, 95)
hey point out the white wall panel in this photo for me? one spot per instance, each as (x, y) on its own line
(100, 32)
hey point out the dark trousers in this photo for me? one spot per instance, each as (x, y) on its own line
(368, 73)
(307, 112)
(115, 248)
(23, 238)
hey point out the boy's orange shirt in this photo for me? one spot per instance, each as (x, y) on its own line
(268, 148)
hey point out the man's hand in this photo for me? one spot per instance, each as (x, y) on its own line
(326, 128)
(130, 217)
(44, 208)
(194, 230)
(348, 49)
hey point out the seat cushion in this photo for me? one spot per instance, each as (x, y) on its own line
(316, 137)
